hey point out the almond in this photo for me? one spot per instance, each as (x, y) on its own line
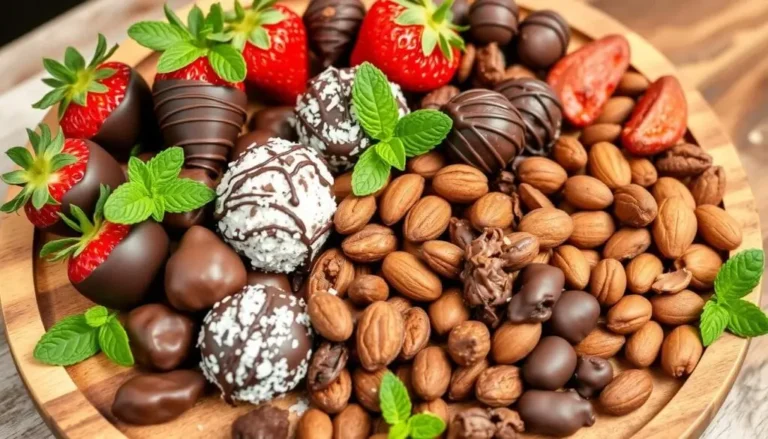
(411, 277)
(366, 385)
(520, 248)
(368, 288)
(431, 373)
(437, 407)
(591, 229)
(533, 198)
(426, 165)
(544, 257)
(681, 351)
(668, 187)
(600, 343)
(709, 187)
(427, 219)
(460, 183)
(400, 196)
(634, 206)
(643, 172)
(592, 257)
(330, 317)
(512, 342)
(643, 346)
(335, 397)
(448, 311)
(417, 332)
(314, 424)
(703, 263)
(629, 314)
(677, 309)
(445, 258)
(551, 226)
(600, 132)
(642, 271)
(672, 282)
(493, 209)
(331, 270)
(628, 391)
(370, 244)
(574, 265)
(469, 342)
(379, 335)
(632, 84)
(352, 423)
(587, 193)
(608, 281)
(342, 185)
(627, 243)
(463, 380)
(718, 227)
(354, 213)
(616, 110)
(608, 164)
(499, 386)
(570, 153)
(542, 173)
(674, 228)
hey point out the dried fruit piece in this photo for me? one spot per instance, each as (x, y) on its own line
(659, 119)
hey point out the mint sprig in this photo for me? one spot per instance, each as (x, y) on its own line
(396, 410)
(79, 337)
(375, 108)
(726, 309)
(154, 189)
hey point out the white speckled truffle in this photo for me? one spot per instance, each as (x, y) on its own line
(275, 205)
(325, 118)
(256, 345)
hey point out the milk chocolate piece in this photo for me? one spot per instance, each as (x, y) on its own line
(543, 39)
(493, 21)
(157, 398)
(280, 120)
(161, 338)
(574, 316)
(540, 289)
(253, 139)
(265, 422)
(332, 27)
(486, 284)
(550, 365)
(472, 423)
(326, 365)
(592, 375)
(277, 280)
(554, 413)
(461, 232)
(541, 111)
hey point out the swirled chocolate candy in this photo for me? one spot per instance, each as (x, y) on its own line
(543, 40)
(540, 289)
(487, 133)
(256, 345)
(332, 27)
(554, 413)
(493, 21)
(541, 111)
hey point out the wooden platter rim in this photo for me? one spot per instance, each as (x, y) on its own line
(68, 413)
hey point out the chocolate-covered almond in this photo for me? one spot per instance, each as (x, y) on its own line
(554, 413)
(264, 422)
(592, 375)
(161, 338)
(574, 315)
(551, 364)
(540, 289)
(157, 398)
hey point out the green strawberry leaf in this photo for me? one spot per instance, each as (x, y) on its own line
(421, 131)
(175, 20)
(179, 56)
(260, 38)
(40, 197)
(271, 16)
(184, 195)
(429, 38)
(54, 248)
(393, 399)
(157, 35)
(59, 70)
(166, 165)
(17, 177)
(129, 204)
(61, 160)
(21, 156)
(714, 319)
(739, 275)
(426, 426)
(73, 60)
(392, 152)
(373, 102)
(139, 173)
(96, 316)
(411, 17)
(68, 342)
(227, 62)
(370, 173)
(113, 340)
(746, 319)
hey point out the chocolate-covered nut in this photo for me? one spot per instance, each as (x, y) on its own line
(279, 120)
(574, 315)
(254, 138)
(541, 111)
(493, 21)
(157, 398)
(461, 232)
(551, 364)
(326, 365)
(540, 289)
(332, 27)
(474, 423)
(592, 375)
(277, 280)
(265, 422)
(202, 271)
(160, 337)
(178, 223)
(554, 413)
(543, 39)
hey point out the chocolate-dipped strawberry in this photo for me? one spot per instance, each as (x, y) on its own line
(114, 265)
(59, 173)
(106, 102)
(332, 27)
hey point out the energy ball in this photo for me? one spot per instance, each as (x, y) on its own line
(275, 207)
(256, 345)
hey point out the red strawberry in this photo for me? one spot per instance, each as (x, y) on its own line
(274, 44)
(403, 42)
(59, 173)
(199, 70)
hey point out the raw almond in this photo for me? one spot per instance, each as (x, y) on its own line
(354, 213)
(628, 391)
(330, 317)
(445, 258)
(643, 346)
(400, 196)
(677, 309)
(544, 257)
(411, 277)
(437, 407)
(520, 248)
(672, 282)
(512, 342)
(426, 165)
(574, 265)
(709, 187)
(463, 380)
(499, 386)
(629, 314)
(616, 110)
(460, 183)
(542, 173)
(681, 351)
(342, 185)
(368, 288)
(608, 281)
(427, 219)
(352, 423)
(314, 424)
(379, 335)
(591, 229)
(600, 132)
(634, 206)
(417, 332)
(668, 187)
(366, 385)
(703, 263)
(627, 243)
(370, 244)
(533, 198)
(448, 311)
(551, 226)
(600, 343)
(675, 227)
(431, 373)
(643, 172)
(592, 257)
(718, 227)
(632, 84)
(642, 271)
(570, 153)
(608, 164)
(493, 209)
(587, 193)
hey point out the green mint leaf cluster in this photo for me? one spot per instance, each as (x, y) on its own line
(154, 188)
(79, 337)
(396, 410)
(375, 108)
(727, 310)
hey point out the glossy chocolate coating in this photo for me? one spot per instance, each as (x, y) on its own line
(161, 338)
(157, 398)
(554, 413)
(487, 133)
(327, 363)
(178, 223)
(541, 111)
(493, 21)
(280, 120)
(264, 422)
(258, 137)
(202, 271)
(202, 118)
(128, 275)
(332, 27)
(543, 39)
(574, 315)
(550, 365)
(540, 289)
(277, 280)
(592, 375)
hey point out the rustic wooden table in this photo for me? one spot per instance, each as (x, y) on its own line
(718, 45)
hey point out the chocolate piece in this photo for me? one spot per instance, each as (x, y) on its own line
(592, 375)
(486, 284)
(280, 120)
(202, 271)
(574, 316)
(161, 338)
(435, 99)
(489, 66)
(488, 132)
(493, 21)
(508, 423)
(326, 365)
(234, 336)
(203, 118)
(461, 232)
(332, 27)
(541, 111)
(127, 277)
(543, 40)
(472, 423)
(554, 413)
(275, 205)
(255, 138)
(505, 183)
(540, 288)
(551, 364)
(181, 222)
(265, 422)
(157, 398)
(277, 280)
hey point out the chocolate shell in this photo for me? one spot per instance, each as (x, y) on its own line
(247, 140)
(161, 338)
(488, 132)
(541, 111)
(552, 413)
(280, 120)
(493, 21)
(158, 397)
(332, 27)
(178, 223)
(543, 40)
(550, 365)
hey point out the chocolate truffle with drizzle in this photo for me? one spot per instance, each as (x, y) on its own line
(541, 111)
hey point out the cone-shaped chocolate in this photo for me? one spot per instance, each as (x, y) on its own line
(202, 118)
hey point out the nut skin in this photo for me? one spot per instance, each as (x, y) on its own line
(587, 193)
(608, 282)
(681, 351)
(330, 317)
(634, 206)
(417, 332)
(314, 424)
(411, 277)
(370, 244)
(445, 258)
(629, 314)
(643, 346)
(334, 398)
(431, 373)
(427, 219)
(493, 209)
(543, 174)
(550, 225)
(574, 265)
(628, 391)
(332, 270)
(499, 386)
(677, 309)
(709, 187)
(460, 183)
(675, 228)
(379, 336)
(448, 311)
(437, 407)
(627, 243)
(703, 262)
(400, 303)
(600, 343)
(683, 160)
(353, 213)
(463, 380)
(616, 110)
(520, 249)
(718, 228)
(532, 198)
(600, 133)
(608, 164)
(342, 185)
(592, 257)
(352, 423)
(366, 386)
(469, 342)
(632, 84)
(672, 282)
(426, 165)
(642, 271)
(668, 187)
(399, 197)
(643, 172)
(367, 289)
(591, 229)
(570, 153)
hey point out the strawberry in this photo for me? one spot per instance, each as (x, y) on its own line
(401, 39)
(59, 172)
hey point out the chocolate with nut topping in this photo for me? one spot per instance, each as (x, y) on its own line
(540, 288)
(486, 284)
(326, 365)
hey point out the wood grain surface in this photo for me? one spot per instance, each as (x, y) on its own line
(717, 45)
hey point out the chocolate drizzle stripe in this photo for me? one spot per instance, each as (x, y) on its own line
(202, 119)
(213, 141)
(314, 93)
(182, 109)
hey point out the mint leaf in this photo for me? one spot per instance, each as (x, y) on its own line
(96, 316)
(113, 340)
(422, 130)
(166, 165)
(228, 62)
(714, 319)
(184, 195)
(129, 204)
(138, 173)
(158, 210)
(393, 399)
(426, 426)
(67, 342)
(178, 56)
(746, 319)
(374, 105)
(392, 152)
(157, 35)
(739, 275)
(370, 173)
(399, 431)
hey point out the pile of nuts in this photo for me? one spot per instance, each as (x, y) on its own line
(645, 237)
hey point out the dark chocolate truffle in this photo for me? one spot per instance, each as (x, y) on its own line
(157, 398)
(161, 338)
(541, 111)
(265, 422)
(540, 289)
(248, 140)
(574, 316)
(550, 365)
(332, 27)
(280, 120)
(487, 133)
(543, 39)
(493, 21)
(256, 345)
(592, 375)
(554, 413)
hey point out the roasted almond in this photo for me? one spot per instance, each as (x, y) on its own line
(354, 213)
(642, 272)
(703, 263)
(629, 314)
(674, 228)
(427, 219)
(368, 288)
(512, 341)
(587, 193)
(331, 270)
(600, 132)
(632, 84)
(643, 346)
(314, 424)
(370, 244)
(448, 311)
(366, 385)
(417, 332)
(426, 165)
(411, 277)
(592, 257)
(628, 391)
(379, 335)
(634, 206)
(533, 198)
(463, 380)
(591, 229)
(352, 423)
(444, 258)
(342, 185)
(608, 164)
(718, 227)
(542, 173)
(335, 397)
(330, 317)
(672, 282)
(551, 226)
(400, 196)
(499, 386)
(431, 373)
(677, 309)
(608, 281)
(627, 243)
(520, 248)
(460, 183)
(709, 187)
(668, 187)
(600, 343)
(570, 153)
(681, 351)
(574, 265)
(616, 110)
(493, 209)
(643, 172)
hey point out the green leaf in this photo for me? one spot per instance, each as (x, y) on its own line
(714, 319)
(374, 105)
(746, 319)
(370, 173)
(393, 399)
(227, 62)
(97, 87)
(260, 38)
(96, 316)
(103, 73)
(166, 165)
(445, 47)
(184, 195)
(129, 204)
(113, 340)
(71, 224)
(429, 38)
(73, 60)
(56, 247)
(59, 70)
(178, 56)
(53, 82)
(412, 17)
(139, 173)
(739, 275)
(175, 20)
(392, 152)
(98, 209)
(426, 426)
(21, 156)
(271, 16)
(101, 49)
(157, 35)
(17, 177)
(215, 18)
(195, 21)
(421, 131)
(399, 431)
(51, 98)
(61, 160)
(67, 342)
(40, 197)
(158, 209)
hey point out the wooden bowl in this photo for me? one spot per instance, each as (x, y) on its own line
(75, 401)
